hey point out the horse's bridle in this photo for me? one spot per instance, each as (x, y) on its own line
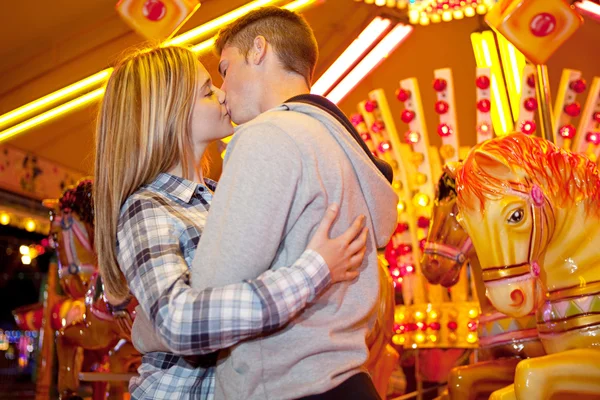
(542, 227)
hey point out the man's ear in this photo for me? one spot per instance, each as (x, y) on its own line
(258, 51)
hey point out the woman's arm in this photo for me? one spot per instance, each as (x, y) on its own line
(189, 321)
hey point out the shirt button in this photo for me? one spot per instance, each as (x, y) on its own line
(200, 189)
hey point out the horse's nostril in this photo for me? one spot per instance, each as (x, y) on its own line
(518, 297)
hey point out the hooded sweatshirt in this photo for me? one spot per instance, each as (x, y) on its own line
(281, 172)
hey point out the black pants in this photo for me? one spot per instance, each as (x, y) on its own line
(357, 387)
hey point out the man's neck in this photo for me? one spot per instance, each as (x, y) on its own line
(279, 90)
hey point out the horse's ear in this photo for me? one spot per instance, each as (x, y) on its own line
(51, 204)
(452, 168)
(493, 164)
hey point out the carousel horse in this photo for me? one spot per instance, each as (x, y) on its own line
(102, 332)
(532, 211)
(383, 358)
(504, 340)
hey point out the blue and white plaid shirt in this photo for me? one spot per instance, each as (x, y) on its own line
(159, 228)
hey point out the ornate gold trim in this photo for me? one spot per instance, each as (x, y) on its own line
(505, 272)
(568, 324)
(575, 291)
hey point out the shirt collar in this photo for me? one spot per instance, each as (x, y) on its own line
(180, 188)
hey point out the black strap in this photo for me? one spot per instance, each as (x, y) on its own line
(333, 110)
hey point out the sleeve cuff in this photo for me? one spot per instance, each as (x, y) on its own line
(316, 271)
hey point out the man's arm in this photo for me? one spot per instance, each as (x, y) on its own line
(250, 210)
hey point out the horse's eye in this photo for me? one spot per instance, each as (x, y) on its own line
(516, 216)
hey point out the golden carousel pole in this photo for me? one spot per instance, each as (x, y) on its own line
(45, 366)
(542, 88)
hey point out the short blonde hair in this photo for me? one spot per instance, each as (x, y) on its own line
(143, 129)
(290, 35)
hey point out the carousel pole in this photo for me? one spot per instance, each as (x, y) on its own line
(45, 365)
(542, 88)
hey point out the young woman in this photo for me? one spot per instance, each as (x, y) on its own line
(159, 113)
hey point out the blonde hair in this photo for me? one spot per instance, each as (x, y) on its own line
(143, 129)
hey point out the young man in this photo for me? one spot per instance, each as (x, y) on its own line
(287, 161)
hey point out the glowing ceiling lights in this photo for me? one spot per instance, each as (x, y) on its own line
(379, 53)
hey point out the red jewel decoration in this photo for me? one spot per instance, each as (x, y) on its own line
(578, 86)
(422, 243)
(531, 81)
(472, 325)
(401, 228)
(423, 222)
(542, 24)
(593, 137)
(377, 126)
(441, 107)
(384, 146)
(597, 117)
(412, 327)
(407, 116)
(531, 104)
(365, 136)
(452, 325)
(370, 105)
(573, 109)
(356, 119)
(444, 130)
(436, 326)
(484, 105)
(482, 82)
(422, 326)
(567, 131)
(403, 94)
(528, 127)
(154, 10)
(439, 85)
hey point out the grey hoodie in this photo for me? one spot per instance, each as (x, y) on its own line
(281, 172)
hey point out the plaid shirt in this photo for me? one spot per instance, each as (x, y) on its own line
(158, 231)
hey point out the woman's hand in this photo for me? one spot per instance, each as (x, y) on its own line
(344, 253)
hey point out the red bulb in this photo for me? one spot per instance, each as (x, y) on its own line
(531, 81)
(573, 109)
(384, 146)
(593, 137)
(528, 127)
(441, 107)
(377, 126)
(484, 128)
(356, 119)
(403, 94)
(444, 130)
(531, 104)
(482, 82)
(411, 137)
(370, 105)
(422, 243)
(435, 326)
(365, 136)
(567, 131)
(597, 117)
(423, 222)
(401, 228)
(484, 105)
(452, 325)
(439, 85)
(578, 86)
(404, 249)
(472, 325)
(407, 116)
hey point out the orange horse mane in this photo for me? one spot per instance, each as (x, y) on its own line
(565, 177)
